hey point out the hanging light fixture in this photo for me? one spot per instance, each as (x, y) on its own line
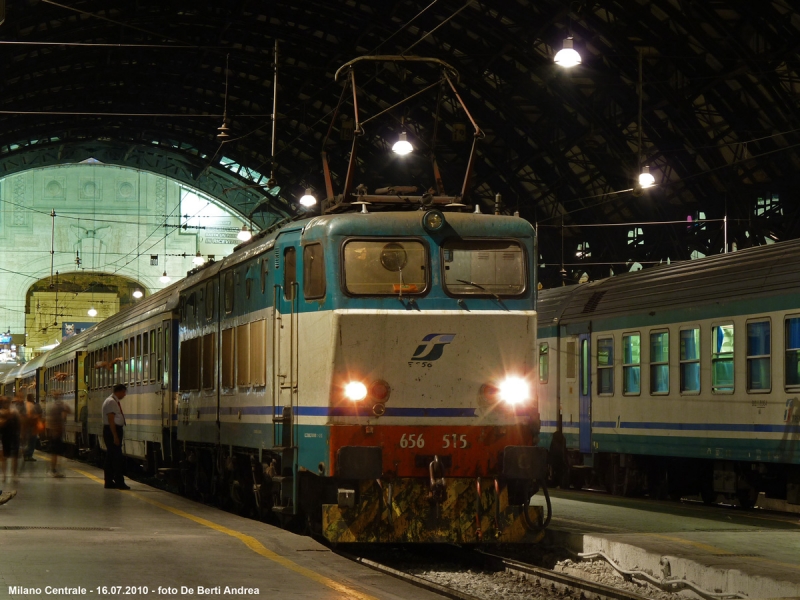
(164, 278)
(198, 259)
(244, 235)
(137, 293)
(308, 198)
(92, 312)
(567, 57)
(646, 178)
(402, 146)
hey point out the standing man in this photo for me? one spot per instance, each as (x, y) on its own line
(113, 426)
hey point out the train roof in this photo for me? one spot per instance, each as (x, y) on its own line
(165, 300)
(746, 275)
(29, 368)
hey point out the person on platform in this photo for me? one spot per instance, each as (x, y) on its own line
(57, 415)
(10, 422)
(35, 425)
(113, 428)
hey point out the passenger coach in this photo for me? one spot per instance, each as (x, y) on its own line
(678, 379)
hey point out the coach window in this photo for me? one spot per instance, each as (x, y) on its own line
(690, 360)
(631, 364)
(484, 268)
(758, 357)
(793, 354)
(153, 363)
(289, 272)
(160, 354)
(722, 358)
(584, 367)
(313, 272)
(381, 268)
(210, 300)
(659, 362)
(132, 361)
(139, 358)
(544, 365)
(145, 357)
(229, 292)
(605, 366)
(572, 352)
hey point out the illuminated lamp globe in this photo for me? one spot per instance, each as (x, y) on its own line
(92, 312)
(308, 199)
(244, 235)
(567, 57)
(137, 293)
(198, 259)
(646, 179)
(402, 146)
(164, 278)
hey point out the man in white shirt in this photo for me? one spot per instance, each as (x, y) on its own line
(113, 427)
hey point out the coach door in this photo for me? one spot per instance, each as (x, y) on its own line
(585, 392)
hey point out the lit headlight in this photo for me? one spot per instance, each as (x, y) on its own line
(355, 390)
(433, 220)
(513, 390)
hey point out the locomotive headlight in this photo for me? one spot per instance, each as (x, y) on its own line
(355, 390)
(433, 220)
(514, 390)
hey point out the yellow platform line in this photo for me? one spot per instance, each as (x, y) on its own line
(251, 543)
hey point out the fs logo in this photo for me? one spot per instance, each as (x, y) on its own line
(790, 415)
(432, 347)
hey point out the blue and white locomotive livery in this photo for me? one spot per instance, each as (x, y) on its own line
(679, 379)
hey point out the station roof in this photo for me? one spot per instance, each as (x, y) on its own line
(143, 84)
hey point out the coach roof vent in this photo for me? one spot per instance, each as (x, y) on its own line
(594, 300)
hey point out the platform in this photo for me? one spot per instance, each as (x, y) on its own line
(72, 533)
(755, 553)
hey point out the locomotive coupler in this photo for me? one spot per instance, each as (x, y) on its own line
(438, 493)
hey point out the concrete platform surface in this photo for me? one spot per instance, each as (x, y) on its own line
(84, 541)
(725, 549)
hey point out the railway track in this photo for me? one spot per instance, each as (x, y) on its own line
(478, 575)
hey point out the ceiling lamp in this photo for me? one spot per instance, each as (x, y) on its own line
(92, 312)
(164, 278)
(198, 259)
(402, 146)
(137, 293)
(244, 235)
(308, 198)
(646, 179)
(567, 57)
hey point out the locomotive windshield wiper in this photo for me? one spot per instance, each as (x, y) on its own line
(480, 287)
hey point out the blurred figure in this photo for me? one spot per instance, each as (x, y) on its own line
(10, 422)
(34, 424)
(57, 415)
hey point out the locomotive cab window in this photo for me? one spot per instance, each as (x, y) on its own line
(722, 358)
(313, 272)
(483, 267)
(758, 357)
(381, 268)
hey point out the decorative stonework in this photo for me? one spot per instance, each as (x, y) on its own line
(54, 188)
(126, 191)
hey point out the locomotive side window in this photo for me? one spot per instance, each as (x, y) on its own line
(631, 364)
(722, 358)
(758, 357)
(227, 358)
(209, 359)
(313, 272)
(659, 362)
(190, 364)
(381, 268)
(605, 366)
(690, 360)
(544, 364)
(289, 272)
(475, 268)
(793, 353)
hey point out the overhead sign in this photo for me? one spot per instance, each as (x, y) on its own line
(73, 328)
(5, 338)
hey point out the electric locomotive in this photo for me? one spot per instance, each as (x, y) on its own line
(371, 373)
(677, 380)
